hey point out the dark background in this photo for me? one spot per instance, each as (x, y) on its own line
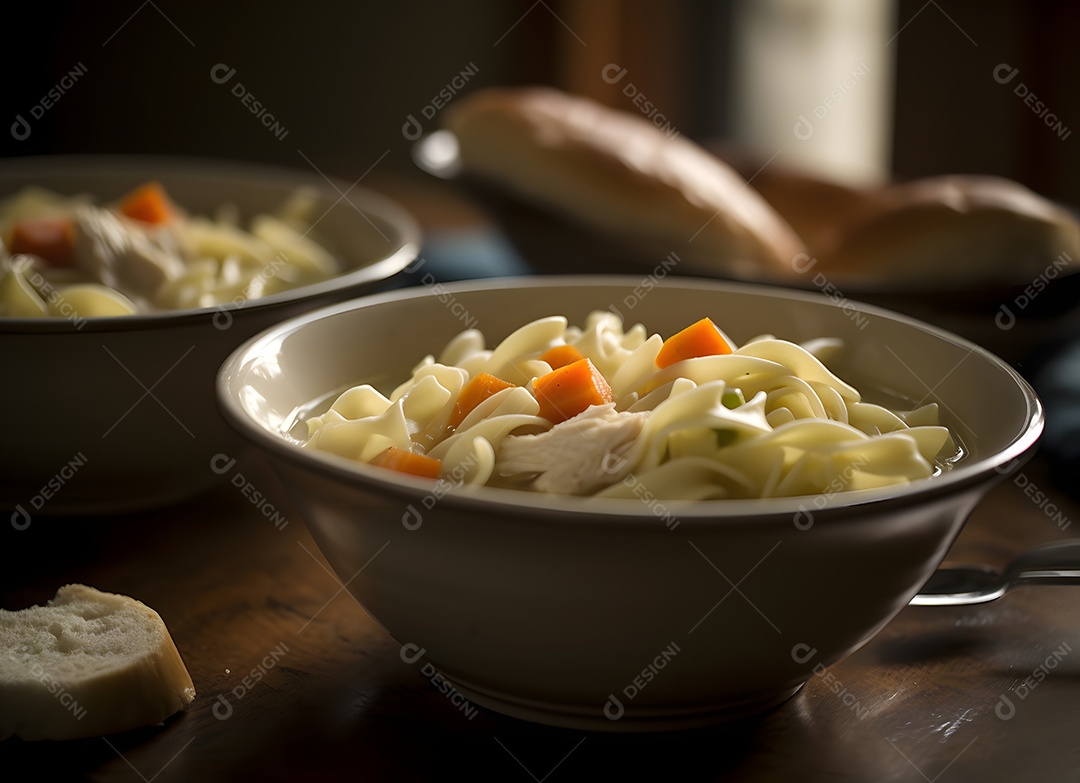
(342, 78)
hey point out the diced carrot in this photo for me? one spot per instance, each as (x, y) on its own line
(698, 339)
(479, 388)
(569, 390)
(408, 462)
(51, 239)
(561, 355)
(148, 203)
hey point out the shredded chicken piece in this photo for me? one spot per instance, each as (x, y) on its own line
(121, 256)
(579, 456)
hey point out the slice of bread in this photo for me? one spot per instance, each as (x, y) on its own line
(86, 664)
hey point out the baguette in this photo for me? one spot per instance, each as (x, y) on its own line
(87, 664)
(620, 175)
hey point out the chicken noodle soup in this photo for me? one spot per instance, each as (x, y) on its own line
(67, 256)
(603, 410)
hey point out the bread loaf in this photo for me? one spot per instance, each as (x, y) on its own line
(947, 231)
(88, 663)
(954, 231)
(619, 174)
(817, 208)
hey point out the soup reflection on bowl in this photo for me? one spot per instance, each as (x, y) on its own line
(632, 613)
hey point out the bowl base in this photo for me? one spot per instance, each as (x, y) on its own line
(616, 717)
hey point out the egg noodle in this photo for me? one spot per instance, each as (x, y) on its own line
(767, 419)
(67, 256)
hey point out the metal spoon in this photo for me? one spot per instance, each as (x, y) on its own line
(1056, 563)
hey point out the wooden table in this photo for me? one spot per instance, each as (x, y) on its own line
(296, 682)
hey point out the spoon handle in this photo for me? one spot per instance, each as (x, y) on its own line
(1050, 564)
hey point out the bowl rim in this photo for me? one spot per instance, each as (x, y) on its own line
(410, 490)
(404, 252)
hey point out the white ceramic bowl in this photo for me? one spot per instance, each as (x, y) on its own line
(118, 414)
(624, 614)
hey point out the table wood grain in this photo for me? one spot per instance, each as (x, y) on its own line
(295, 681)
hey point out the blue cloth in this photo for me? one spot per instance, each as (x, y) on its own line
(465, 255)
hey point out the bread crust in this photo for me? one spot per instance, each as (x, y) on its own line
(949, 231)
(619, 174)
(957, 230)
